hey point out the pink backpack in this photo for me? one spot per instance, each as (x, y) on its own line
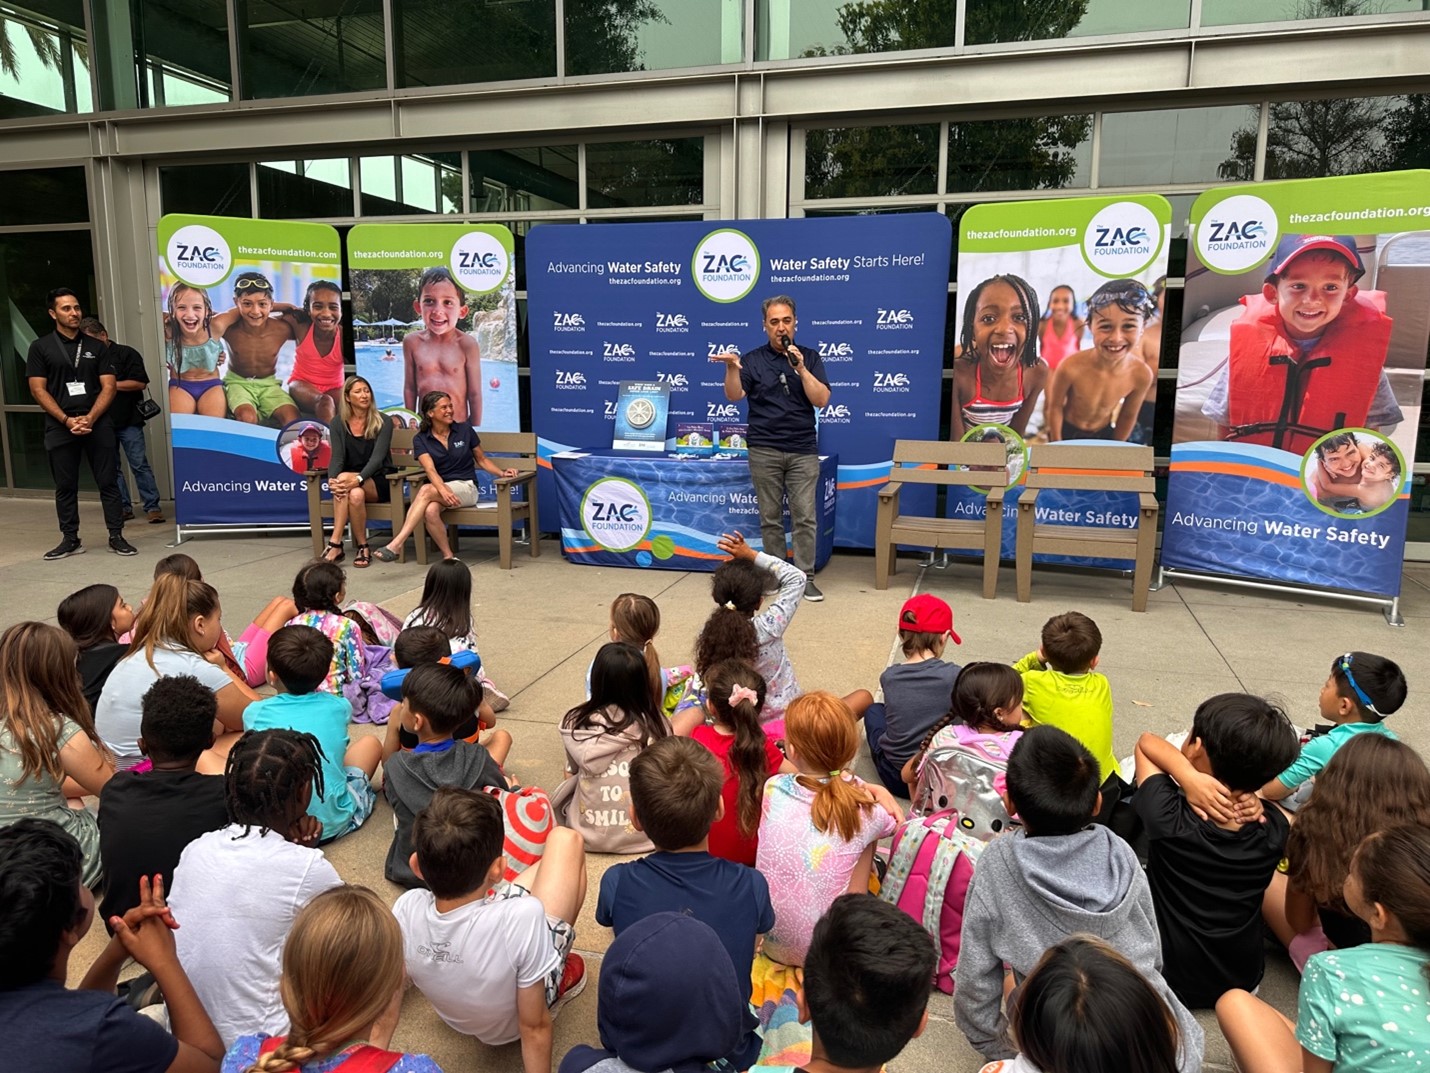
(929, 871)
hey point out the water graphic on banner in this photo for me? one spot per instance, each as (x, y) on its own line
(1299, 381)
(252, 315)
(1059, 341)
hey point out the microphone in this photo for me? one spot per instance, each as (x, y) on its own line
(784, 340)
(791, 352)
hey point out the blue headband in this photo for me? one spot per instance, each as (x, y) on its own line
(1344, 666)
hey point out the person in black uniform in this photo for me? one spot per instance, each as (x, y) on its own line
(131, 382)
(72, 379)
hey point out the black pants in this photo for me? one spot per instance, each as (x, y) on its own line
(101, 448)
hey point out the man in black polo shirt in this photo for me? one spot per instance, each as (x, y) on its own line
(131, 380)
(72, 379)
(784, 386)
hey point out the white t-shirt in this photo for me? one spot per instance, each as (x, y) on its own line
(117, 714)
(465, 643)
(470, 962)
(235, 899)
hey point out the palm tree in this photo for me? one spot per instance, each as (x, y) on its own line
(45, 42)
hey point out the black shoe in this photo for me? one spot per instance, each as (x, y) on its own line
(120, 546)
(811, 591)
(128, 514)
(65, 548)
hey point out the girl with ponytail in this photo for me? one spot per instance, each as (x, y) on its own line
(342, 989)
(818, 827)
(735, 695)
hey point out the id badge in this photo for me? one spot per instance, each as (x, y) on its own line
(77, 390)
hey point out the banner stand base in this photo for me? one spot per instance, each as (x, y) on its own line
(189, 532)
(1389, 607)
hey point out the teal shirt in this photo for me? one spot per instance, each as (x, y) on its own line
(1364, 1009)
(1317, 752)
(326, 717)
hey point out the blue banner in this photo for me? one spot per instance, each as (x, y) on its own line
(658, 301)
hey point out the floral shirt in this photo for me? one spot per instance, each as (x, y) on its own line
(347, 647)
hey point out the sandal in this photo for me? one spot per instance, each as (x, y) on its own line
(385, 554)
(363, 557)
(328, 556)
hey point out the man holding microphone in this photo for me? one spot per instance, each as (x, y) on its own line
(784, 386)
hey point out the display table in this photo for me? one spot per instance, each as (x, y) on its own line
(619, 509)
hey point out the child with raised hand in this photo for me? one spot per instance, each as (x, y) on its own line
(45, 912)
(318, 593)
(299, 658)
(1358, 1009)
(1373, 783)
(819, 827)
(1086, 1007)
(342, 990)
(177, 632)
(602, 736)
(96, 617)
(48, 746)
(436, 698)
(418, 645)
(726, 635)
(986, 706)
(239, 889)
(447, 604)
(147, 818)
(1362, 690)
(493, 958)
(915, 692)
(735, 695)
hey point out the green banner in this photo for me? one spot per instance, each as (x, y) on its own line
(1119, 236)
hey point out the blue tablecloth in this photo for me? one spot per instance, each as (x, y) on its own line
(667, 513)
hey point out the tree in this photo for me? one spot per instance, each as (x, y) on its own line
(601, 34)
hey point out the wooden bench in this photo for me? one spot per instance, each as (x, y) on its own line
(949, 464)
(393, 511)
(515, 450)
(1090, 469)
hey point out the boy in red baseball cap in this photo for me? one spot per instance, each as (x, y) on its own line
(1307, 356)
(917, 692)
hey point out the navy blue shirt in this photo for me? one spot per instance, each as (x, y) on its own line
(453, 462)
(732, 899)
(780, 414)
(50, 1027)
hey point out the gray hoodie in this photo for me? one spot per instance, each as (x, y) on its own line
(1028, 894)
(411, 778)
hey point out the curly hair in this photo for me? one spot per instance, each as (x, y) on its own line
(267, 775)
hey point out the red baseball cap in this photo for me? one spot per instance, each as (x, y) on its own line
(1293, 246)
(926, 613)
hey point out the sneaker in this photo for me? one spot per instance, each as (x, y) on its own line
(120, 546)
(499, 701)
(811, 591)
(65, 548)
(573, 982)
(156, 517)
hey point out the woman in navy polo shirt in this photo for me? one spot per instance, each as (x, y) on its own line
(450, 453)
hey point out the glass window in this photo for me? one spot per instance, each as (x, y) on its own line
(31, 265)
(442, 43)
(206, 189)
(524, 180)
(790, 29)
(28, 457)
(304, 189)
(1180, 145)
(604, 37)
(989, 22)
(410, 185)
(294, 50)
(1036, 153)
(1344, 136)
(44, 59)
(658, 172)
(871, 161)
(1234, 12)
(184, 50)
(43, 196)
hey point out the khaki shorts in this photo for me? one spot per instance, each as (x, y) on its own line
(465, 491)
(264, 393)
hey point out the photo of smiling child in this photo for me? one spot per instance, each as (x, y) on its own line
(254, 334)
(997, 374)
(317, 377)
(1097, 394)
(193, 354)
(1353, 473)
(442, 357)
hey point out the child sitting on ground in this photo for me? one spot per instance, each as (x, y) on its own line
(1061, 688)
(1362, 690)
(1208, 875)
(602, 736)
(1059, 875)
(986, 709)
(45, 912)
(493, 958)
(342, 981)
(436, 698)
(318, 593)
(1085, 1006)
(96, 617)
(238, 889)
(735, 695)
(668, 999)
(447, 604)
(419, 645)
(675, 796)
(915, 692)
(635, 619)
(146, 819)
(299, 658)
(819, 827)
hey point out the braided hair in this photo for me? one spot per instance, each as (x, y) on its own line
(1032, 313)
(267, 776)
